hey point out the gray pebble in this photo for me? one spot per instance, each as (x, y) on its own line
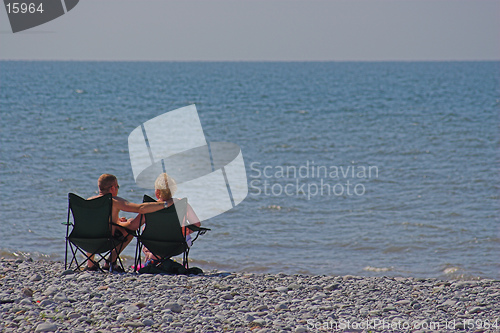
(259, 322)
(46, 302)
(27, 292)
(167, 318)
(133, 324)
(85, 319)
(120, 300)
(61, 297)
(46, 327)
(52, 290)
(148, 322)
(403, 302)
(249, 318)
(68, 272)
(131, 308)
(26, 302)
(476, 309)
(73, 315)
(226, 296)
(281, 306)
(333, 286)
(84, 276)
(261, 307)
(36, 277)
(174, 307)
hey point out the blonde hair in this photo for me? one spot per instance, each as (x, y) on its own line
(166, 185)
(105, 182)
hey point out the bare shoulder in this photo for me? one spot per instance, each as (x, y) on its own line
(120, 201)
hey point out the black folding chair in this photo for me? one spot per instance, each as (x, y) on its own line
(162, 234)
(91, 231)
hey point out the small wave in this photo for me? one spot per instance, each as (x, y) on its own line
(396, 249)
(458, 273)
(297, 111)
(454, 214)
(450, 270)
(377, 269)
(422, 225)
(256, 269)
(27, 255)
(414, 152)
(209, 265)
(273, 207)
(283, 145)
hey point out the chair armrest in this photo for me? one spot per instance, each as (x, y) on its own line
(192, 227)
(199, 230)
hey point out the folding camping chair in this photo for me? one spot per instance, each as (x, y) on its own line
(162, 234)
(91, 232)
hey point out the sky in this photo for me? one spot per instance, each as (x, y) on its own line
(262, 30)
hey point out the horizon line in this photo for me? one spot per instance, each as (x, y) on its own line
(255, 61)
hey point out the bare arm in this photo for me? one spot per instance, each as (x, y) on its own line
(133, 223)
(192, 217)
(143, 208)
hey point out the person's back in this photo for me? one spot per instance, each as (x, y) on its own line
(121, 227)
(165, 187)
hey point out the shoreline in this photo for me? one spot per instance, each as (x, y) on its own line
(446, 272)
(40, 296)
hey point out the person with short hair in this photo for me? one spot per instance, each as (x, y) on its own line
(108, 183)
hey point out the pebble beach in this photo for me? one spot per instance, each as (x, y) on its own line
(41, 296)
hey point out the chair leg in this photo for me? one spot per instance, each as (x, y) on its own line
(66, 256)
(87, 257)
(185, 259)
(73, 258)
(118, 249)
(137, 258)
(67, 235)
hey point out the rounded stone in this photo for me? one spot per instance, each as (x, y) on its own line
(148, 322)
(174, 307)
(46, 327)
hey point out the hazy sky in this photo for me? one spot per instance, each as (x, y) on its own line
(262, 30)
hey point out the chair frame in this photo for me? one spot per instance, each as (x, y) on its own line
(106, 246)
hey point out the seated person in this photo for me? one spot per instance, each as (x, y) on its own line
(109, 184)
(165, 187)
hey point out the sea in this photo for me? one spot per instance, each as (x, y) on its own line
(358, 168)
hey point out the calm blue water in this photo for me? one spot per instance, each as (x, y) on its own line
(429, 132)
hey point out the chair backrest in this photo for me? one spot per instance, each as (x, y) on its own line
(91, 218)
(162, 233)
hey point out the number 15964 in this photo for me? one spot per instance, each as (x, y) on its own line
(24, 8)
